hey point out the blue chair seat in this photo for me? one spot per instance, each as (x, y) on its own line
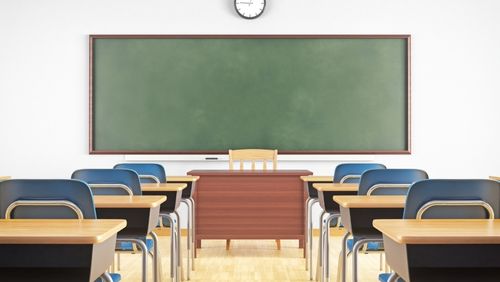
(335, 222)
(127, 246)
(115, 276)
(372, 246)
(383, 277)
(166, 222)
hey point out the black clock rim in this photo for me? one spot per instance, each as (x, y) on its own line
(249, 18)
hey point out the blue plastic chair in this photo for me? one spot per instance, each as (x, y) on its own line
(380, 182)
(440, 198)
(148, 172)
(110, 181)
(451, 199)
(68, 199)
(389, 181)
(351, 172)
(119, 182)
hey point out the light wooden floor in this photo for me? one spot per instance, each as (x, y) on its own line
(249, 261)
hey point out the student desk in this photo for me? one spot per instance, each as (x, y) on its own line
(358, 213)
(497, 178)
(56, 249)
(312, 198)
(141, 213)
(326, 191)
(442, 249)
(3, 178)
(251, 204)
(189, 180)
(187, 199)
(173, 192)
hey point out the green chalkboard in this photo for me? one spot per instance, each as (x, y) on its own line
(208, 94)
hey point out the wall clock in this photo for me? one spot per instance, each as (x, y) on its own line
(249, 9)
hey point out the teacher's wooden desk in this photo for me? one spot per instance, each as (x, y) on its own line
(442, 249)
(56, 249)
(252, 204)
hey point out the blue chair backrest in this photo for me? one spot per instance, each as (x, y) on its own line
(389, 181)
(46, 199)
(351, 172)
(110, 181)
(453, 198)
(148, 172)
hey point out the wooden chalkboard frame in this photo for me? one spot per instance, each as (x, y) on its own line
(407, 37)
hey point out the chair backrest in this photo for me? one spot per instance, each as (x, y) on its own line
(389, 181)
(46, 199)
(110, 181)
(148, 172)
(351, 172)
(253, 155)
(453, 198)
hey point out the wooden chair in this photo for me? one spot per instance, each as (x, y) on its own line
(253, 156)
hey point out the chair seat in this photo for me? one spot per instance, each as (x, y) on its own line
(335, 222)
(115, 276)
(128, 246)
(372, 246)
(384, 277)
(166, 222)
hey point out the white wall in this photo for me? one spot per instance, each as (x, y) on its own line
(44, 73)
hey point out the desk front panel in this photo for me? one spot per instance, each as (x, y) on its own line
(443, 262)
(56, 262)
(258, 206)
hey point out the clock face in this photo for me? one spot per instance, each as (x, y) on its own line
(249, 9)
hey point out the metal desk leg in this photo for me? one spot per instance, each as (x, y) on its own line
(319, 269)
(189, 241)
(179, 250)
(193, 228)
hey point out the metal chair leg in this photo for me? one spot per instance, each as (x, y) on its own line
(393, 277)
(343, 255)
(156, 258)
(324, 250)
(144, 251)
(355, 251)
(106, 277)
(173, 246)
(326, 264)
